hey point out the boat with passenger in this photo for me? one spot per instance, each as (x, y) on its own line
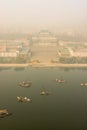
(23, 99)
(44, 92)
(4, 113)
(25, 84)
(60, 80)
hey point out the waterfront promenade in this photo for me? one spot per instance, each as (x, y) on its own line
(58, 65)
(43, 65)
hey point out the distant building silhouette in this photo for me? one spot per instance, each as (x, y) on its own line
(44, 37)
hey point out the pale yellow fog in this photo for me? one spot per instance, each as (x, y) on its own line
(33, 15)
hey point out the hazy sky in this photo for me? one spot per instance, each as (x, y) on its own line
(43, 13)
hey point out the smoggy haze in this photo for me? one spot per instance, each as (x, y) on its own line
(37, 14)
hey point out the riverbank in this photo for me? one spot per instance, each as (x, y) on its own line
(58, 65)
(43, 65)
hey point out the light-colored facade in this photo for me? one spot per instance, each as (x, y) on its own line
(8, 54)
(75, 49)
(44, 38)
(10, 48)
(44, 46)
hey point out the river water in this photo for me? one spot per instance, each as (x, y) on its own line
(65, 108)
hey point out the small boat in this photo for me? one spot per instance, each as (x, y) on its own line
(23, 99)
(83, 84)
(43, 92)
(4, 113)
(25, 84)
(60, 80)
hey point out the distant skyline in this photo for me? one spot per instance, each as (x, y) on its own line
(34, 15)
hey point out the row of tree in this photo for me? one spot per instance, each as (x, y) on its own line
(19, 59)
(73, 60)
